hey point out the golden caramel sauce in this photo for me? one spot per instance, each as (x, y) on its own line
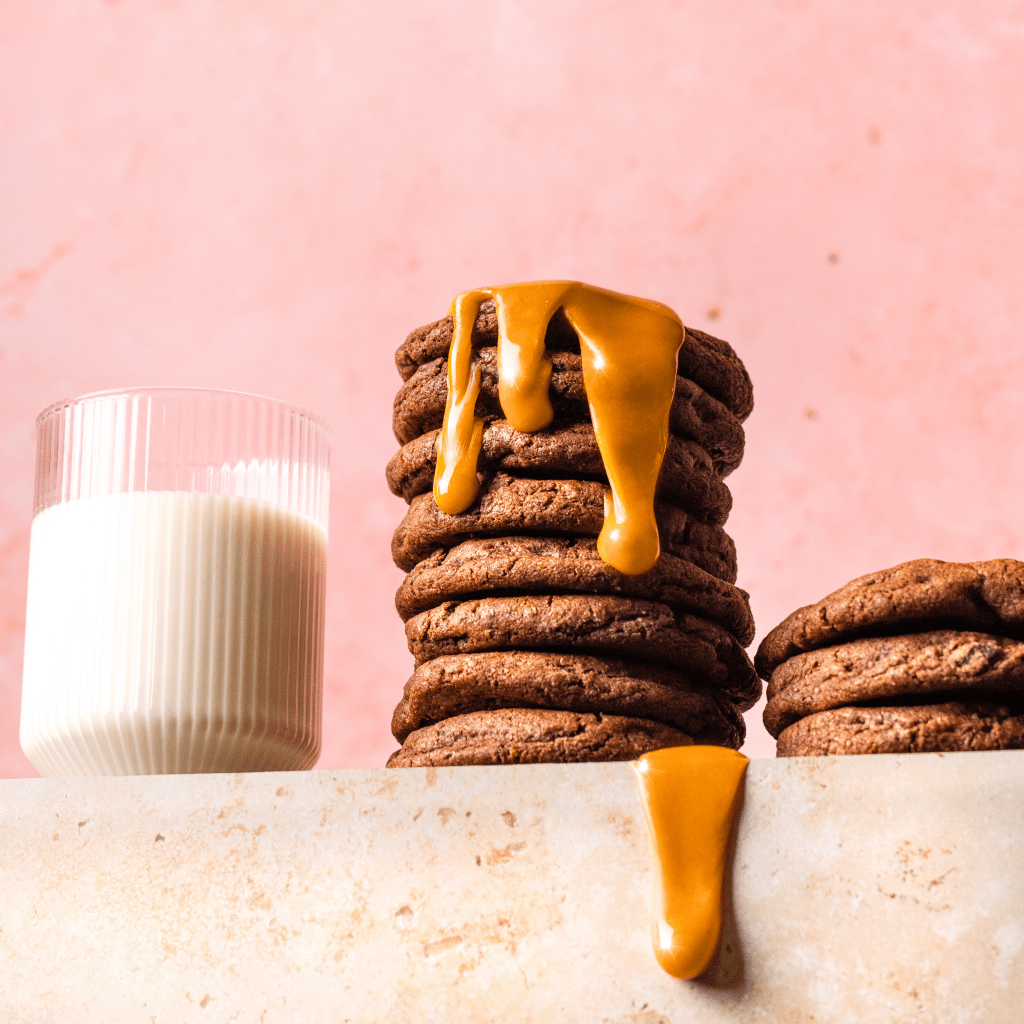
(630, 351)
(689, 795)
(458, 445)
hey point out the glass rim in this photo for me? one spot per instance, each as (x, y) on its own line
(182, 390)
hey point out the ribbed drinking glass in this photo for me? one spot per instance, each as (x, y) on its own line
(176, 585)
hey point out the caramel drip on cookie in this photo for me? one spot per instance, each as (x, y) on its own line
(458, 445)
(630, 351)
(689, 795)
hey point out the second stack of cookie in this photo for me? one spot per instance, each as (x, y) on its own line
(528, 646)
(925, 656)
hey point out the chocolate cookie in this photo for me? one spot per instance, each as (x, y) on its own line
(420, 401)
(462, 683)
(433, 340)
(917, 596)
(706, 360)
(714, 365)
(920, 667)
(549, 565)
(420, 404)
(588, 624)
(529, 736)
(514, 505)
(687, 479)
(905, 730)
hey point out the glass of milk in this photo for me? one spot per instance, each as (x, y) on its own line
(176, 585)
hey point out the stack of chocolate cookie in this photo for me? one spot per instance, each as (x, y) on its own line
(926, 656)
(528, 646)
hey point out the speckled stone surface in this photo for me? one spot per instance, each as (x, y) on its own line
(882, 889)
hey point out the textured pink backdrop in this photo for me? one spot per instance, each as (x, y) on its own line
(267, 197)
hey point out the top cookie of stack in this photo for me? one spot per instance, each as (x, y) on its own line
(925, 656)
(528, 646)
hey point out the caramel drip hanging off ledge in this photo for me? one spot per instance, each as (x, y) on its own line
(690, 797)
(630, 351)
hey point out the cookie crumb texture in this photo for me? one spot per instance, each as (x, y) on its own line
(921, 729)
(908, 598)
(926, 656)
(528, 646)
(458, 684)
(529, 736)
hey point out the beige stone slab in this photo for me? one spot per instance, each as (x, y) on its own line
(864, 889)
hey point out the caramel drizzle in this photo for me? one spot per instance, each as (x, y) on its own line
(689, 795)
(630, 351)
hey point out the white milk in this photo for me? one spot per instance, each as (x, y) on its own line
(173, 632)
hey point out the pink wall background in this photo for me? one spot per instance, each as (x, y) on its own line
(267, 197)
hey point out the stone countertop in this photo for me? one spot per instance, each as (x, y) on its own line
(884, 888)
